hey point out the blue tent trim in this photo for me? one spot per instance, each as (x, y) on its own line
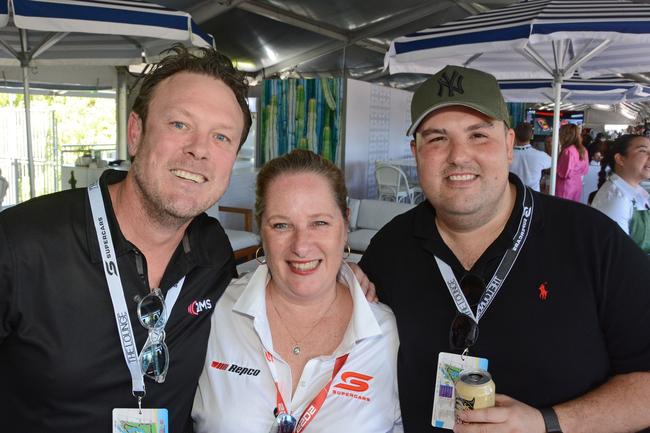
(519, 32)
(87, 13)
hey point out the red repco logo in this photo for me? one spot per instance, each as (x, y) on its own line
(353, 381)
(197, 306)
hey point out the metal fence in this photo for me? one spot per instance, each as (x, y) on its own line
(13, 153)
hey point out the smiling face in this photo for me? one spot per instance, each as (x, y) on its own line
(304, 234)
(185, 152)
(463, 159)
(634, 166)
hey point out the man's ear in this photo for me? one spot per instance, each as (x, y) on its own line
(618, 160)
(414, 148)
(134, 133)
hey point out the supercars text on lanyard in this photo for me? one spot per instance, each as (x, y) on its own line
(312, 408)
(507, 261)
(116, 290)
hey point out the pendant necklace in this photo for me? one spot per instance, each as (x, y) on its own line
(296, 349)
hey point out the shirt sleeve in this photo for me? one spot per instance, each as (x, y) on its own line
(564, 163)
(625, 304)
(371, 263)
(6, 286)
(614, 206)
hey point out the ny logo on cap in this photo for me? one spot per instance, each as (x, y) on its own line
(453, 84)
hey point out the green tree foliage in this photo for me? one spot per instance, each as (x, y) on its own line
(80, 120)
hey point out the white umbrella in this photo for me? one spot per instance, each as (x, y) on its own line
(535, 39)
(58, 32)
(575, 91)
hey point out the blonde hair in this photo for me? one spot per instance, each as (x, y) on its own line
(570, 136)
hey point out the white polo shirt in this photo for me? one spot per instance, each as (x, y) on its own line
(528, 163)
(237, 393)
(618, 199)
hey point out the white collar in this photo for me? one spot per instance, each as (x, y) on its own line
(637, 193)
(363, 324)
(522, 147)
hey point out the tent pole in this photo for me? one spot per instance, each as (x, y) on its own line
(28, 122)
(557, 88)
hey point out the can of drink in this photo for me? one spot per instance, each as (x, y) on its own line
(474, 389)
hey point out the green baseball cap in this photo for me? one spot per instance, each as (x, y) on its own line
(455, 85)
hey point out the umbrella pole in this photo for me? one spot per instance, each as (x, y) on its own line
(557, 88)
(28, 121)
(122, 152)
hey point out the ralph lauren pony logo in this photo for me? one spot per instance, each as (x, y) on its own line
(543, 291)
(453, 84)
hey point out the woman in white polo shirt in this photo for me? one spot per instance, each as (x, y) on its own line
(622, 197)
(295, 346)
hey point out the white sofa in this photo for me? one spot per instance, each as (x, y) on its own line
(368, 216)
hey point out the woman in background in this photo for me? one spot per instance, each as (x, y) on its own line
(296, 344)
(621, 196)
(572, 164)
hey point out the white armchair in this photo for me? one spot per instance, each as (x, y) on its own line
(393, 185)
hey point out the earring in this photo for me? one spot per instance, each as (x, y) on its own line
(347, 251)
(260, 259)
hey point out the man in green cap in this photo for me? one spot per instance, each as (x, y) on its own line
(559, 293)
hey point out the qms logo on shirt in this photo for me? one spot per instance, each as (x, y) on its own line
(198, 306)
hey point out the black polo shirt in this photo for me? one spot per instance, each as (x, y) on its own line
(594, 322)
(62, 368)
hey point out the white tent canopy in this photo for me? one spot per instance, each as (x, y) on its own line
(549, 39)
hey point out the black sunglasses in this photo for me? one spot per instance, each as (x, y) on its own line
(463, 332)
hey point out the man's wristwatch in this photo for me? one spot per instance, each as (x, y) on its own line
(550, 420)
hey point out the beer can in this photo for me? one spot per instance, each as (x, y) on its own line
(474, 389)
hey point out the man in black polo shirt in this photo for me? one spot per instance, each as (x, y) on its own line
(559, 293)
(79, 269)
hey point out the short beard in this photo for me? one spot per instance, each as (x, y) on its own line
(154, 205)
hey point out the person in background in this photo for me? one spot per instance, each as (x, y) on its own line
(106, 292)
(573, 163)
(562, 293)
(528, 162)
(620, 195)
(298, 341)
(545, 181)
(590, 180)
(588, 141)
(4, 186)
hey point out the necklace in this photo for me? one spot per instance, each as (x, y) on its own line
(296, 349)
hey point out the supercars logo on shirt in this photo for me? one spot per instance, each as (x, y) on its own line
(196, 307)
(352, 385)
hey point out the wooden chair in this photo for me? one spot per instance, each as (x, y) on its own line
(244, 242)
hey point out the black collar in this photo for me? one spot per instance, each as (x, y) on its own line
(425, 229)
(196, 248)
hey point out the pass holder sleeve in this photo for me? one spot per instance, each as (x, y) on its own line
(447, 373)
(140, 420)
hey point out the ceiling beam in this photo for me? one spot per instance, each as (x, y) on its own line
(362, 34)
(302, 22)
